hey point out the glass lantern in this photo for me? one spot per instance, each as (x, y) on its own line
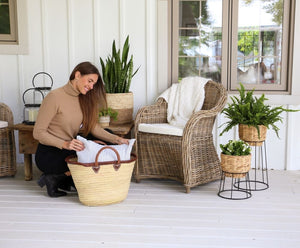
(44, 80)
(32, 99)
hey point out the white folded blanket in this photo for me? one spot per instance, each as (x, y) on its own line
(88, 155)
(184, 99)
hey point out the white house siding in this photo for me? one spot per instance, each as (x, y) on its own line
(62, 33)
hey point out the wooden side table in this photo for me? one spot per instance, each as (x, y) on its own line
(122, 130)
(28, 145)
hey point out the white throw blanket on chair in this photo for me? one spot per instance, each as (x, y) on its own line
(184, 99)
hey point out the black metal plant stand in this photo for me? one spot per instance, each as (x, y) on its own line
(230, 186)
(260, 180)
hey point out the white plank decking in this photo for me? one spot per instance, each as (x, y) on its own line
(156, 213)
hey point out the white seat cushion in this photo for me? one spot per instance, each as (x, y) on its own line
(3, 124)
(160, 128)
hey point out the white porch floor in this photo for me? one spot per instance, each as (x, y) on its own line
(156, 213)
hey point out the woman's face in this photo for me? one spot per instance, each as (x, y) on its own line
(85, 83)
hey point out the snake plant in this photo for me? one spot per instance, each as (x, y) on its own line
(117, 70)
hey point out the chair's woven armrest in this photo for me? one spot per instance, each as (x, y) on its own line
(156, 113)
(201, 123)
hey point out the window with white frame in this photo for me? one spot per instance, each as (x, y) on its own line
(8, 22)
(234, 41)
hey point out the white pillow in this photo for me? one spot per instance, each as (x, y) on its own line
(3, 124)
(88, 155)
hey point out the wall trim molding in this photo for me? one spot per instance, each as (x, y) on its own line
(22, 46)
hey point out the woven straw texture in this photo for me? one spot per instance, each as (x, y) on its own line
(237, 165)
(249, 134)
(191, 159)
(103, 184)
(123, 104)
(7, 143)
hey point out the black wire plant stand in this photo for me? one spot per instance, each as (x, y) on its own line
(260, 180)
(230, 186)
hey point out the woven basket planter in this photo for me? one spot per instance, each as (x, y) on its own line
(237, 165)
(123, 104)
(101, 183)
(104, 121)
(249, 134)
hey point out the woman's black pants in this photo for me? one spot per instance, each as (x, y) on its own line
(51, 160)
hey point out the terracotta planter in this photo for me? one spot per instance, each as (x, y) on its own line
(249, 134)
(238, 165)
(123, 104)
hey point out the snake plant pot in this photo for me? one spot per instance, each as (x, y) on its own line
(123, 104)
(104, 121)
(250, 134)
(235, 166)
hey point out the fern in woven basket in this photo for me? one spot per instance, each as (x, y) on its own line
(252, 111)
(109, 112)
(117, 70)
(236, 148)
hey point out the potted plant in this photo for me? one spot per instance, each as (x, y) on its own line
(105, 115)
(117, 73)
(235, 158)
(253, 116)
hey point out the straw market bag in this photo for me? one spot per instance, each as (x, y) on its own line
(102, 183)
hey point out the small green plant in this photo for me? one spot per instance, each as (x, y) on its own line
(109, 112)
(252, 111)
(117, 71)
(236, 148)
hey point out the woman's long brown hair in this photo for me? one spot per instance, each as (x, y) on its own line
(93, 100)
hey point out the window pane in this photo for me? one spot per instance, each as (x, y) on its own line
(188, 67)
(210, 68)
(259, 41)
(200, 38)
(4, 19)
(188, 14)
(189, 42)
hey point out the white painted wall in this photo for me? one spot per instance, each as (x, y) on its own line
(62, 33)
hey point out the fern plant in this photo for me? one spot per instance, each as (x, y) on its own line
(236, 148)
(117, 70)
(108, 112)
(252, 111)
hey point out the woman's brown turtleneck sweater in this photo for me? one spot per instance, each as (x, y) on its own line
(60, 118)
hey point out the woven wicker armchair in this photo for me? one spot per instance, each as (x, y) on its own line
(191, 158)
(7, 143)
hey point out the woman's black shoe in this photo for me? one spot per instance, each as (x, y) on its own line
(52, 181)
(67, 184)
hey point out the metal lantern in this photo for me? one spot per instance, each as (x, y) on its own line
(32, 99)
(46, 80)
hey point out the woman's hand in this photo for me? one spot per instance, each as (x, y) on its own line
(74, 144)
(120, 141)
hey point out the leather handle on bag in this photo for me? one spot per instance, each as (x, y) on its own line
(116, 165)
